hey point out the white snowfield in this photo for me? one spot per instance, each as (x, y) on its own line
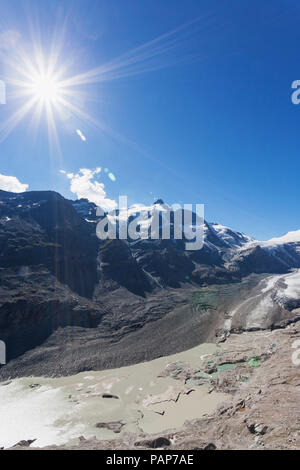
(292, 285)
(290, 237)
(283, 286)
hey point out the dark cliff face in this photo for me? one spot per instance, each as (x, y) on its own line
(118, 267)
(55, 274)
(44, 229)
(34, 304)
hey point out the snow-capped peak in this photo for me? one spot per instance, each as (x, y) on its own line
(228, 236)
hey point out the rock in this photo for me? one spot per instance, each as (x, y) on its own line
(115, 426)
(171, 394)
(257, 428)
(210, 446)
(261, 429)
(25, 443)
(109, 395)
(155, 443)
(240, 405)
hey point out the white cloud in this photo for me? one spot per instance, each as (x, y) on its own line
(11, 183)
(84, 185)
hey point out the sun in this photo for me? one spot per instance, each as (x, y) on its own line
(46, 89)
(43, 90)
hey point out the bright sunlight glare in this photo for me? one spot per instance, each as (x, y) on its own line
(46, 89)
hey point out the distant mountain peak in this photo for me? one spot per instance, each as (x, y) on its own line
(159, 202)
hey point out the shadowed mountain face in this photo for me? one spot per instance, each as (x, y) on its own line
(43, 228)
(82, 302)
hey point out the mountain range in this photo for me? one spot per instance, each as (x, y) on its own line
(71, 302)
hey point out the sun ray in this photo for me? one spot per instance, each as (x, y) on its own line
(11, 123)
(138, 60)
(52, 130)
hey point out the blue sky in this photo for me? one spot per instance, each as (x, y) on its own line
(208, 119)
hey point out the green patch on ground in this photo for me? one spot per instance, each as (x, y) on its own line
(209, 298)
(205, 300)
(254, 362)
